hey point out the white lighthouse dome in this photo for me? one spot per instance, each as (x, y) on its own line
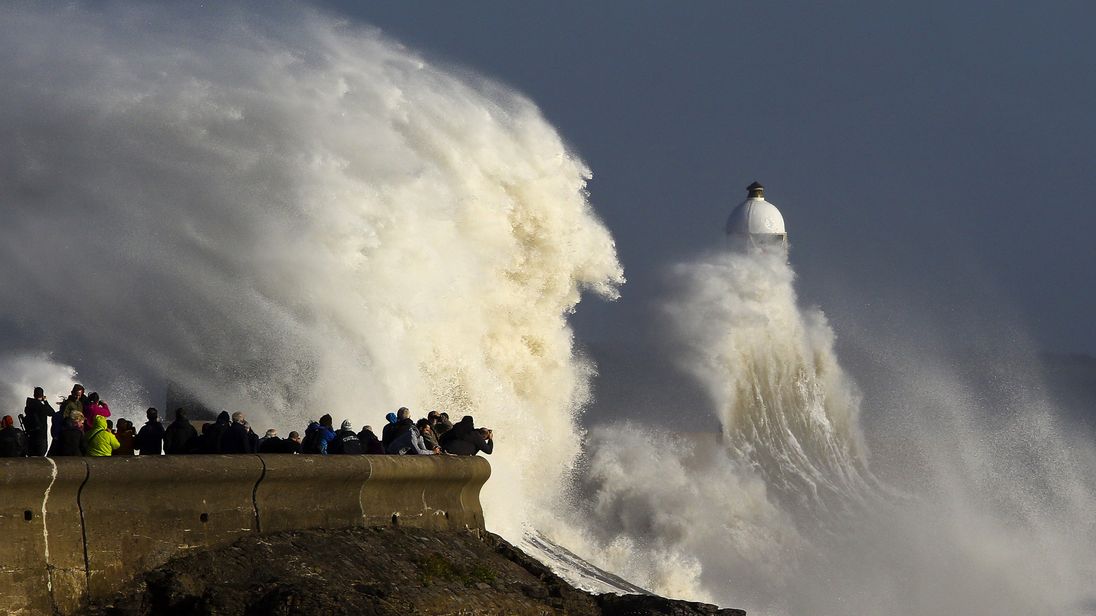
(757, 220)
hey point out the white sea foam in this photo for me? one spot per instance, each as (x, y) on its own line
(20, 373)
(986, 509)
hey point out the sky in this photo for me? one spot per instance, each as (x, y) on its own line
(933, 160)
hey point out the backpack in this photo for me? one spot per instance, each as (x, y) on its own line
(312, 442)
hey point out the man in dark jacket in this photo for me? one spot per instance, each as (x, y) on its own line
(292, 443)
(395, 430)
(370, 443)
(37, 414)
(13, 441)
(271, 433)
(69, 440)
(180, 437)
(346, 441)
(237, 438)
(214, 433)
(465, 440)
(271, 443)
(151, 437)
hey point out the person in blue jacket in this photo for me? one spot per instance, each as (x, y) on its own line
(318, 436)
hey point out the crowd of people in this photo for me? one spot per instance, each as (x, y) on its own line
(81, 426)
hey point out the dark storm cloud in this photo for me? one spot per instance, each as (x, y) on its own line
(936, 154)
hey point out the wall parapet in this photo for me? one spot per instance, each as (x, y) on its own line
(80, 528)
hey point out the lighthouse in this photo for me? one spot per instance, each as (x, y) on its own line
(756, 224)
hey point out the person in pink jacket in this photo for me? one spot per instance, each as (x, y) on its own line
(94, 408)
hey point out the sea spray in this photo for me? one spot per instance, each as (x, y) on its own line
(20, 373)
(785, 406)
(736, 509)
(984, 509)
(287, 215)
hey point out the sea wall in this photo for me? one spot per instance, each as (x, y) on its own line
(74, 529)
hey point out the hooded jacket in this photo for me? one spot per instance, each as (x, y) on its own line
(214, 433)
(464, 440)
(100, 442)
(370, 443)
(459, 430)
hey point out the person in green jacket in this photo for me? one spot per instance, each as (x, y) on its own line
(100, 442)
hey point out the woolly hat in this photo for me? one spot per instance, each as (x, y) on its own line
(391, 417)
(346, 424)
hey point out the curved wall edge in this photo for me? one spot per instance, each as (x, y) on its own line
(80, 528)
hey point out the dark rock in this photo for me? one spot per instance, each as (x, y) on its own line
(371, 572)
(536, 591)
(374, 590)
(651, 605)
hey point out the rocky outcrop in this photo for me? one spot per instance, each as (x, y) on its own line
(373, 571)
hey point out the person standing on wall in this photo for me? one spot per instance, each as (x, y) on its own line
(37, 415)
(237, 437)
(150, 438)
(180, 437)
(95, 408)
(72, 405)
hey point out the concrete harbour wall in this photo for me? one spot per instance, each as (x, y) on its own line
(73, 529)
